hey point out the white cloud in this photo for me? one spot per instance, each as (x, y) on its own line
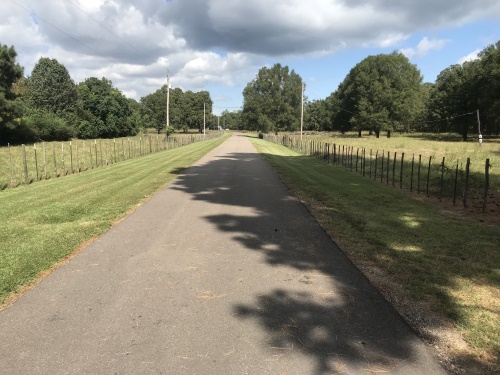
(207, 42)
(470, 57)
(425, 46)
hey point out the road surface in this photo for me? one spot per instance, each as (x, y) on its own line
(221, 272)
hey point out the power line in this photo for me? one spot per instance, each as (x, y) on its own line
(103, 26)
(65, 33)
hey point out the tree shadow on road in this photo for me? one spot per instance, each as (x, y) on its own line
(343, 323)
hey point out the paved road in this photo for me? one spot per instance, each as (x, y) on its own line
(221, 272)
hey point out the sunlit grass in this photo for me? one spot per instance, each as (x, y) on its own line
(42, 223)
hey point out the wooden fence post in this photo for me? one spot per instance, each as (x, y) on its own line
(418, 173)
(486, 183)
(44, 162)
(428, 176)
(401, 171)
(36, 162)
(394, 170)
(71, 156)
(25, 165)
(455, 186)
(466, 187)
(442, 180)
(62, 159)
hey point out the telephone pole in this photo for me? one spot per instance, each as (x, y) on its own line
(302, 112)
(168, 98)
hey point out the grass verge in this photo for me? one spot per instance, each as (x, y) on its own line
(45, 222)
(433, 258)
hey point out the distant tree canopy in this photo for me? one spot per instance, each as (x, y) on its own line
(231, 120)
(185, 110)
(272, 101)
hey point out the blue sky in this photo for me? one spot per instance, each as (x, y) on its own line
(219, 45)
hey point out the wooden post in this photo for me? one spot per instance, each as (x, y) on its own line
(95, 152)
(44, 162)
(36, 162)
(71, 156)
(486, 183)
(418, 173)
(412, 168)
(455, 186)
(388, 166)
(11, 169)
(466, 187)
(55, 159)
(382, 170)
(401, 171)
(394, 169)
(25, 165)
(357, 157)
(441, 187)
(62, 159)
(376, 161)
(428, 176)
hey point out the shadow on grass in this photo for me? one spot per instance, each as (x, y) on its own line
(351, 324)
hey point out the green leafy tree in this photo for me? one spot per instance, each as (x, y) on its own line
(316, 116)
(10, 106)
(455, 93)
(272, 101)
(489, 87)
(154, 107)
(50, 88)
(106, 110)
(381, 93)
(231, 120)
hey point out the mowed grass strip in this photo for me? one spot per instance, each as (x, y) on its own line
(448, 261)
(43, 223)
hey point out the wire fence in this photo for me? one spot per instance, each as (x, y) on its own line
(26, 164)
(440, 178)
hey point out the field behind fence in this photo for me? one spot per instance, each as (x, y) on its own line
(26, 164)
(462, 179)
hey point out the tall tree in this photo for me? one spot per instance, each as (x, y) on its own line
(382, 92)
(489, 91)
(50, 88)
(272, 101)
(455, 93)
(10, 108)
(106, 110)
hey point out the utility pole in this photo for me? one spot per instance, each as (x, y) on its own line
(218, 123)
(168, 98)
(203, 118)
(302, 112)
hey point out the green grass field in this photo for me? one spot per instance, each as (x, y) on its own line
(450, 262)
(44, 222)
(46, 160)
(435, 145)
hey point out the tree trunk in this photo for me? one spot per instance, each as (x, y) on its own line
(388, 134)
(377, 133)
(359, 133)
(370, 132)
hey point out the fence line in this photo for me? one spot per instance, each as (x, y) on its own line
(441, 180)
(20, 166)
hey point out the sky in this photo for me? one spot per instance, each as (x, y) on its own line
(220, 45)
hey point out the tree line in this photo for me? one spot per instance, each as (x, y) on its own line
(382, 93)
(48, 105)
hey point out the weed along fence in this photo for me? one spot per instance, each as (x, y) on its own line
(423, 175)
(26, 164)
